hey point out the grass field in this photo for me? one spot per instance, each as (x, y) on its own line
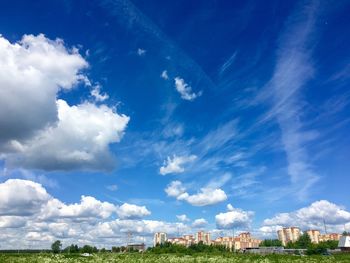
(169, 258)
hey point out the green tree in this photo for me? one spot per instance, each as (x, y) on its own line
(89, 249)
(271, 243)
(116, 249)
(56, 246)
(304, 241)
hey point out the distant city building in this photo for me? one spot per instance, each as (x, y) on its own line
(159, 238)
(327, 237)
(288, 234)
(314, 236)
(241, 242)
(179, 241)
(246, 241)
(189, 239)
(204, 237)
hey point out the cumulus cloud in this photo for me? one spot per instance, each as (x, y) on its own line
(183, 218)
(32, 71)
(175, 164)
(175, 189)
(200, 222)
(21, 197)
(206, 196)
(29, 214)
(129, 211)
(45, 219)
(312, 216)
(79, 141)
(230, 207)
(89, 207)
(235, 217)
(40, 131)
(185, 90)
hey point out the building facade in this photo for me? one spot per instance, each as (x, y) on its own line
(288, 234)
(241, 242)
(204, 237)
(314, 236)
(332, 236)
(159, 238)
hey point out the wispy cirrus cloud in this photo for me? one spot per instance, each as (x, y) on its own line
(294, 68)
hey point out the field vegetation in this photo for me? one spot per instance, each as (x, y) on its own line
(168, 258)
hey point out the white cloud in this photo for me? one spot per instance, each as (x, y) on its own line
(206, 196)
(29, 216)
(79, 141)
(235, 218)
(141, 52)
(175, 165)
(229, 207)
(89, 207)
(41, 132)
(185, 90)
(175, 189)
(294, 68)
(312, 217)
(32, 71)
(183, 218)
(164, 75)
(129, 211)
(200, 222)
(21, 197)
(96, 93)
(12, 221)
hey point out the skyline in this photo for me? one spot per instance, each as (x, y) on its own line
(122, 116)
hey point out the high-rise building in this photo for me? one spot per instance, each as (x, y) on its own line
(288, 234)
(314, 236)
(159, 238)
(204, 237)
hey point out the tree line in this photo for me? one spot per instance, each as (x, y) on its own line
(304, 242)
(200, 247)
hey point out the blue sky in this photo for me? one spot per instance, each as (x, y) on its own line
(233, 114)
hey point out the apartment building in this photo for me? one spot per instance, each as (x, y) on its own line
(241, 242)
(288, 234)
(314, 236)
(204, 237)
(159, 238)
(331, 236)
